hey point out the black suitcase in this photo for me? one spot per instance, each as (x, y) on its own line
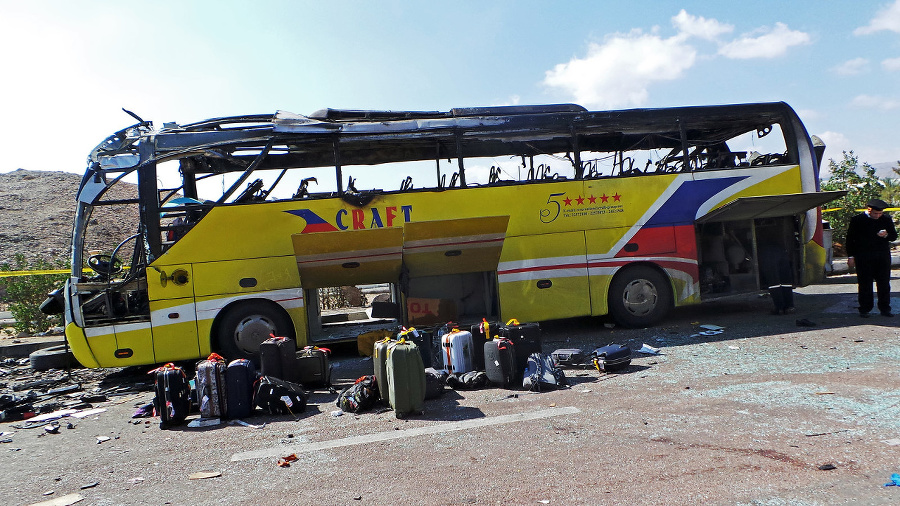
(500, 362)
(424, 339)
(569, 356)
(526, 339)
(278, 397)
(481, 333)
(314, 367)
(611, 358)
(172, 399)
(278, 358)
(240, 375)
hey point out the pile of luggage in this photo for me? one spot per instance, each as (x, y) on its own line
(411, 366)
(235, 389)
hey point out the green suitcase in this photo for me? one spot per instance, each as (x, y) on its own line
(405, 378)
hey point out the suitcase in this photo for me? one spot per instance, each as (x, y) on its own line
(212, 390)
(569, 356)
(379, 365)
(172, 399)
(313, 366)
(278, 358)
(278, 397)
(240, 375)
(457, 351)
(405, 378)
(611, 358)
(526, 339)
(424, 339)
(481, 333)
(500, 362)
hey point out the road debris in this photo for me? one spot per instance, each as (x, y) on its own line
(648, 350)
(286, 461)
(202, 475)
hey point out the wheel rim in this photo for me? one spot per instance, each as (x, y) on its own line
(640, 297)
(252, 331)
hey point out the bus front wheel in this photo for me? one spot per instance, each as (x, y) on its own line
(249, 324)
(639, 296)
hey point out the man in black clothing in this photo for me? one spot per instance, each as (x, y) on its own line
(869, 238)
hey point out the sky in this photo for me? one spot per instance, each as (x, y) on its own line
(70, 67)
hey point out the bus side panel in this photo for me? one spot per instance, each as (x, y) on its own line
(174, 325)
(78, 343)
(173, 315)
(602, 264)
(134, 344)
(245, 276)
(544, 277)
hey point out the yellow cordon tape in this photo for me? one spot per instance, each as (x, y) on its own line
(11, 274)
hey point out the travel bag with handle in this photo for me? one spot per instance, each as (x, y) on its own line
(172, 395)
(405, 378)
(500, 362)
(212, 389)
(240, 376)
(457, 350)
(526, 339)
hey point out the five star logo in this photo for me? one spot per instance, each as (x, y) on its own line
(580, 200)
(567, 201)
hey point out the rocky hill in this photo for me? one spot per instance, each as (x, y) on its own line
(37, 209)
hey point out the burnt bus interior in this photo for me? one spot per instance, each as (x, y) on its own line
(253, 159)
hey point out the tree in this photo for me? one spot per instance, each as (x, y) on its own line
(861, 188)
(26, 293)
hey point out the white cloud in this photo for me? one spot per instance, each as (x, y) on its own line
(874, 102)
(772, 43)
(888, 18)
(618, 72)
(698, 26)
(891, 64)
(851, 67)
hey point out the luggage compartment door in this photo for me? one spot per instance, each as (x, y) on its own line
(435, 248)
(351, 257)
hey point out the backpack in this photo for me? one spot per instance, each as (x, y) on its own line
(472, 380)
(360, 396)
(541, 373)
(279, 397)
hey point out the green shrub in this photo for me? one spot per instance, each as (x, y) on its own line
(26, 293)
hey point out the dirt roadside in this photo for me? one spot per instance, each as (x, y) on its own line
(745, 416)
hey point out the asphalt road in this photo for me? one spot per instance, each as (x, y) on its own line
(765, 413)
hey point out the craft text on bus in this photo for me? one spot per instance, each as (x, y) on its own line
(321, 227)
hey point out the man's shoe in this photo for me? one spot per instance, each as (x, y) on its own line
(888, 314)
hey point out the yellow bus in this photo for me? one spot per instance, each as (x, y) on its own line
(256, 225)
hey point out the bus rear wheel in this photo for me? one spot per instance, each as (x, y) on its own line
(639, 296)
(249, 324)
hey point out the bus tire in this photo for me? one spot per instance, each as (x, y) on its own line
(247, 325)
(639, 296)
